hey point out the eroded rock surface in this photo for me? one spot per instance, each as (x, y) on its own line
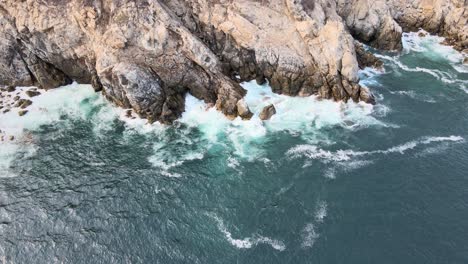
(147, 54)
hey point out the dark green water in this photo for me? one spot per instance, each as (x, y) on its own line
(331, 184)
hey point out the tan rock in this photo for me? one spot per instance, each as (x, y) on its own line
(267, 112)
(243, 110)
(146, 55)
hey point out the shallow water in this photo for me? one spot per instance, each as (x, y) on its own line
(321, 182)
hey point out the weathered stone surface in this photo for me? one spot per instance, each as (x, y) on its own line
(366, 96)
(267, 112)
(366, 58)
(243, 110)
(147, 54)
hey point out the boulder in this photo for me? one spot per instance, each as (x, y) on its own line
(243, 110)
(22, 112)
(32, 93)
(23, 103)
(267, 112)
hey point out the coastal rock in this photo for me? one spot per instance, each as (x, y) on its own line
(23, 103)
(243, 110)
(366, 58)
(267, 112)
(22, 112)
(32, 93)
(366, 96)
(146, 55)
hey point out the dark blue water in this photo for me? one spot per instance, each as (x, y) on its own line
(322, 182)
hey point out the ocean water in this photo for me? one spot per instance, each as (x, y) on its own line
(321, 182)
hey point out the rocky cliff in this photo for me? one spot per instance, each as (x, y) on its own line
(147, 54)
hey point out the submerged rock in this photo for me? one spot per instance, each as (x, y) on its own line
(23, 103)
(146, 55)
(32, 93)
(22, 112)
(267, 112)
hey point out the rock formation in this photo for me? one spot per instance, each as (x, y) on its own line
(267, 112)
(147, 54)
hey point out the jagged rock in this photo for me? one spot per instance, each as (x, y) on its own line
(10, 89)
(366, 58)
(267, 112)
(128, 113)
(465, 60)
(32, 93)
(366, 96)
(16, 98)
(422, 34)
(147, 54)
(243, 110)
(11, 138)
(6, 111)
(22, 112)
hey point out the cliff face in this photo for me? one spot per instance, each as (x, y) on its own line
(147, 54)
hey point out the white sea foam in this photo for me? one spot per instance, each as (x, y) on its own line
(232, 162)
(298, 116)
(309, 236)
(247, 242)
(315, 153)
(48, 108)
(321, 212)
(415, 96)
(430, 47)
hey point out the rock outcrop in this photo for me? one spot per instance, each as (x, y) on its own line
(147, 54)
(267, 112)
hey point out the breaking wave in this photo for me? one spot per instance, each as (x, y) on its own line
(247, 242)
(326, 156)
(430, 48)
(49, 108)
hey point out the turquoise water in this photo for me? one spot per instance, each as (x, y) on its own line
(322, 182)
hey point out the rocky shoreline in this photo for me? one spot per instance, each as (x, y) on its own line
(147, 54)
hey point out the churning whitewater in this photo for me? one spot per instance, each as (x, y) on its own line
(318, 182)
